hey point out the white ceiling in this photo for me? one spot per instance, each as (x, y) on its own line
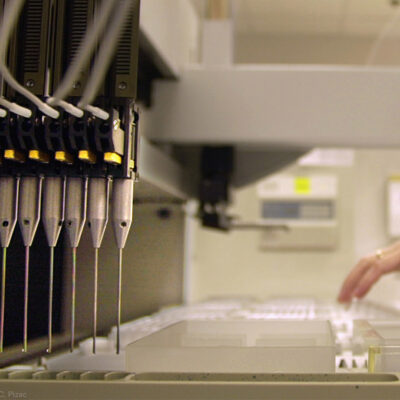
(315, 31)
(311, 17)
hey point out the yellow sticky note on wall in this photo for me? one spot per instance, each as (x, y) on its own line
(302, 185)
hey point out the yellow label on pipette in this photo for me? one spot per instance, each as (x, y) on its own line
(302, 185)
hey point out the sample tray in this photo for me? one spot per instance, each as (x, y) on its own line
(378, 332)
(382, 340)
(236, 347)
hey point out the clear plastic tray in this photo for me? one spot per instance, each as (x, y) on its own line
(382, 341)
(378, 332)
(236, 346)
(384, 359)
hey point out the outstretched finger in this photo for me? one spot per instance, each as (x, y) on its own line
(368, 280)
(352, 280)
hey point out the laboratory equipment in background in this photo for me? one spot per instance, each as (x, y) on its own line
(306, 209)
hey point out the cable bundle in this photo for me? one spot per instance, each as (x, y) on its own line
(106, 27)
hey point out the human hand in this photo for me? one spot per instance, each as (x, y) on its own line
(368, 271)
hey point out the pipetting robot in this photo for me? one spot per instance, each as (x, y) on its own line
(70, 161)
(68, 133)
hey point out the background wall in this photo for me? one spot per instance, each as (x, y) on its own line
(315, 32)
(226, 264)
(312, 49)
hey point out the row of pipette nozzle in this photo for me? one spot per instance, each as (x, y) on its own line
(58, 202)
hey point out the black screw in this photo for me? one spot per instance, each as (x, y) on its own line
(164, 213)
(122, 85)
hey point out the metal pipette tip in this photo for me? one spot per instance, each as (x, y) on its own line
(96, 268)
(28, 217)
(3, 297)
(119, 294)
(26, 298)
(53, 218)
(51, 284)
(9, 193)
(73, 299)
(122, 220)
(75, 216)
(98, 200)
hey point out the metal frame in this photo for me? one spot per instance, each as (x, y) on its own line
(43, 385)
(287, 106)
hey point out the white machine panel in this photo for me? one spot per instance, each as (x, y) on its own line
(304, 207)
(288, 106)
